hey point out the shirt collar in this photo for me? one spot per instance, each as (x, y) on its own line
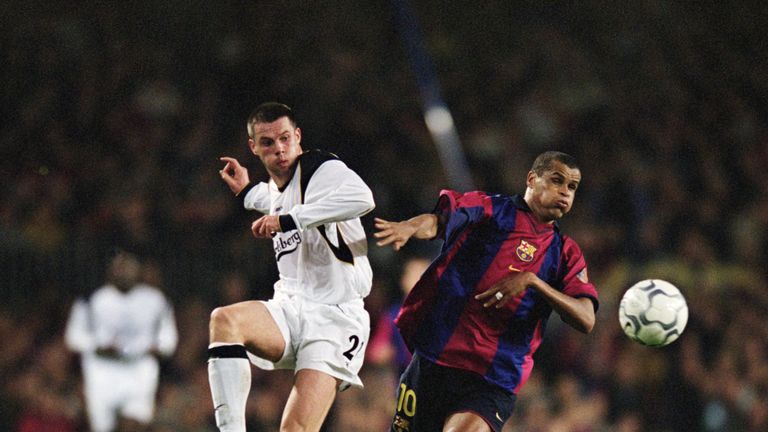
(522, 205)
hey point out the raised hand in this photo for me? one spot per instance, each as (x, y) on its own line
(234, 174)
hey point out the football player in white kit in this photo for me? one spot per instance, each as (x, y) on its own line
(315, 323)
(119, 331)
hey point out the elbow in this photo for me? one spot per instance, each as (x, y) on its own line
(370, 203)
(587, 326)
(584, 324)
(586, 320)
(366, 205)
(585, 317)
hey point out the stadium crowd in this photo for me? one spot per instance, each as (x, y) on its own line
(113, 118)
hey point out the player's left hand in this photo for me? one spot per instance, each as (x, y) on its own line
(511, 286)
(266, 226)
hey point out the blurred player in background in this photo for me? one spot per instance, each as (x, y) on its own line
(387, 347)
(475, 318)
(316, 323)
(119, 331)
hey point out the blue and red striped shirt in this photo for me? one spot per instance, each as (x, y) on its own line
(485, 237)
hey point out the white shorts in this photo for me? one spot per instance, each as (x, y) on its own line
(113, 388)
(330, 338)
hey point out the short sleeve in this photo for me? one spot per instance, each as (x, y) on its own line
(456, 211)
(576, 278)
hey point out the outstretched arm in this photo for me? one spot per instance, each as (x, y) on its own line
(423, 226)
(579, 312)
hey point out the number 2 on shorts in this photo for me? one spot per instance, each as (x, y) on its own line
(356, 345)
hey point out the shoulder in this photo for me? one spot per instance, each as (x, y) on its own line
(102, 292)
(571, 249)
(149, 292)
(311, 160)
(480, 202)
(464, 199)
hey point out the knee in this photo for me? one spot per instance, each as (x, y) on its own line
(223, 318)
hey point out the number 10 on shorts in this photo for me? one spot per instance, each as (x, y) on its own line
(406, 401)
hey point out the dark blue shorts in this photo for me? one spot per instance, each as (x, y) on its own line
(429, 393)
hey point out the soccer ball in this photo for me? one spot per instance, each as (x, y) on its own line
(653, 312)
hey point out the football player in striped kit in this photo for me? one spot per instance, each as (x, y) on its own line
(478, 313)
(119, 331)
(315, 323)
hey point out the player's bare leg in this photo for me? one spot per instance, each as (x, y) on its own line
(233, 329)
(465, 422)
(249, 324)
(309, 402)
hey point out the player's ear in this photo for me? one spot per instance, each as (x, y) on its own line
(252, 145)
(530, 179)
(297, 131)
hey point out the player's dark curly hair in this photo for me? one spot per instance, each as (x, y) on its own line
(269, 112)
(544, 161)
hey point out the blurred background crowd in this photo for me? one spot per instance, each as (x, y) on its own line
(113, 116)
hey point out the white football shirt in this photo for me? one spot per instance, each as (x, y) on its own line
(324, 258)
(135, 322)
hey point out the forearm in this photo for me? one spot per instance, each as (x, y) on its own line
(579, 313)
(344, 204)
(334, 194)
(424, 225)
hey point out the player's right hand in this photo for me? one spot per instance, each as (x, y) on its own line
(234, 174)
(394, 233)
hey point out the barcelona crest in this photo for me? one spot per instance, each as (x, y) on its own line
(525, 251)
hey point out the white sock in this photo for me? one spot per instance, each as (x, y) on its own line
(229, 374)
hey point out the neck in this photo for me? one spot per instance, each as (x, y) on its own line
(281, 180)
(537, 213)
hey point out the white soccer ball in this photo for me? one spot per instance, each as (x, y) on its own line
(653, 312)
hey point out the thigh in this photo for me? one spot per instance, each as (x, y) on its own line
(434, 398)
(101, 394)
(332, 339)
(477, 404)
(102, 415)
(141, 388)
(261, 334)
(419, 403)
(466, 422)
(309, 402)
